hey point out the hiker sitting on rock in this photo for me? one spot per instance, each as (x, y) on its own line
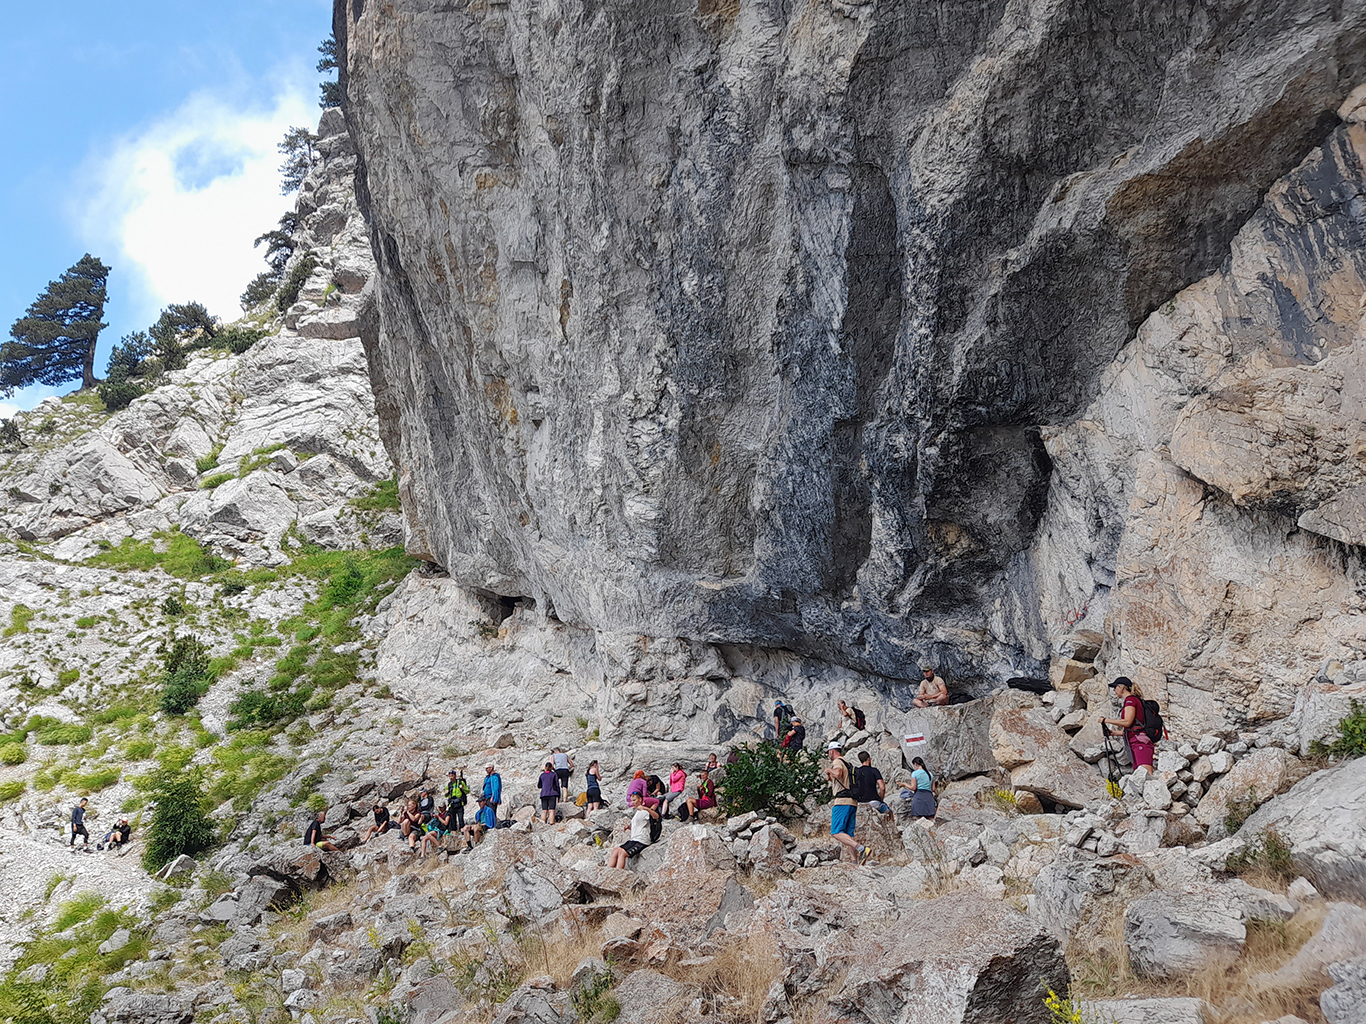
(118, 836)
(654, 792)
(933, 691)
(852, 720)
(706, 795)
(484, 819)
(678, 782)
(920, 791)
(640, 833)
(438, 829)
(314, 836)
(382, 823)
(426, 804)
(869, 786)
(1131, 720)
(410, 823)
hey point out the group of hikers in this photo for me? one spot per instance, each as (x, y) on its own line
(117, 838)
(425, 821)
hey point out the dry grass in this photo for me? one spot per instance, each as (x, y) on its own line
(559, 955)
(740, 972)
(1227, 987)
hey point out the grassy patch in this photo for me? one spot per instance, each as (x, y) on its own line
(19, 618)
(210, 482)
(183, 556)
(1351, 741)
(64, 735)
(258, 458)
(207, 462)
(13, 753)
(1269, 854)
(12, 789)
(93, 782)
(382, 497)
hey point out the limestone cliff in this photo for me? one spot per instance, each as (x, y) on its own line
(807, 325)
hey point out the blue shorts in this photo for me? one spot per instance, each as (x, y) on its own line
(842, 820)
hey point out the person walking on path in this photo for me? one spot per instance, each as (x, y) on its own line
(1131, 720)
(550, 793)
(564, 768)
(933, 691)
(844, 813)
(493, 789)
(78, 824)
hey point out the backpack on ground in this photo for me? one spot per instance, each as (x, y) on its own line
(656, 828)
(1152, 721)
(582, 799)
(860, 721)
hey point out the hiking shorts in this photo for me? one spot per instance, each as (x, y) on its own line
(563, 775)
(548, 803)
(1142, 751)
(842, 820)
(632, 847)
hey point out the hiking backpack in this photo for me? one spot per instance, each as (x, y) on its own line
(656, 828)
(860, 722)
(1152, 721)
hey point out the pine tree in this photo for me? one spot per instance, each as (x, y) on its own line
(329, 91)
(300, 156)
(54, 341)
(176, 322)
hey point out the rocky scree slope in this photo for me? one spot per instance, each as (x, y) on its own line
(842, 329)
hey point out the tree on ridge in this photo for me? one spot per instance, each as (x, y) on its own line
(54, 341)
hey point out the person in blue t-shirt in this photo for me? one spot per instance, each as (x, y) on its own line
(483, 821)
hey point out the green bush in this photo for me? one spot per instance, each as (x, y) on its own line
(119, 394)
(769, 778)
(179, 824)
(294, 282)
(12, 789)
(186, 676)
(13, 753)
(172, 607)
(237, 338)
(1351, 741)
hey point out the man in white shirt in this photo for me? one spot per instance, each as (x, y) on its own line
(640, 833)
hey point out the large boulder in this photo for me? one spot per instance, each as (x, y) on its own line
(958, 736)
(1079, 894)
(1323, 819)
(1255, 779)
(1037, 752)
(1342, 936)
(958, 959)
(1169, 1010)
(1169, 934)
(1345, 1001)
(124, 1007)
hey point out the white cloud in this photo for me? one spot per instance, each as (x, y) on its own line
(7, 410)
(181, 201)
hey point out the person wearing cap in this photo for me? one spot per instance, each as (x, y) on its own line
(117, 836)
(426, 805)
(484, 819)
(457, 792)
(844, 813)
(1131, 721)
(493, 789)
(933, 691)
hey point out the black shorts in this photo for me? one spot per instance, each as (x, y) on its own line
(548, 803)
(563, 775)
(632, 847)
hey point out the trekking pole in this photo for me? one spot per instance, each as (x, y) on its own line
(1111, 786)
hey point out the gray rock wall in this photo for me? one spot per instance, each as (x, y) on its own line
(759, 322)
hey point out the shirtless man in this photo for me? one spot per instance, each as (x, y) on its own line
(933, 692)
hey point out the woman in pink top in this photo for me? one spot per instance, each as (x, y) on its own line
(678, 781)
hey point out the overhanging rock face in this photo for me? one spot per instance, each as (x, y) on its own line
(740, 321)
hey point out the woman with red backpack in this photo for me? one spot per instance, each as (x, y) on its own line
(1133, 720)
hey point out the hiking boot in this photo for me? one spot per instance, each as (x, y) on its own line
(863, 854)
(99, 846)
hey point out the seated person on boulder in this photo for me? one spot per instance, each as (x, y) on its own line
(483, 821)
(933, 691)
(382, 823)
(314, 836)
(438, 829)
(640, 833)
(706, 794)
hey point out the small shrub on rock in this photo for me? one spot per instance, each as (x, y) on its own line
(768, 778)
(187, 675)
(12, 790)
(119, 394)
(179, 824)
(1269, 853)
(13, 753)
(1351, 741)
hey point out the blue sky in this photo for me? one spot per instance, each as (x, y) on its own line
(145, 133)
